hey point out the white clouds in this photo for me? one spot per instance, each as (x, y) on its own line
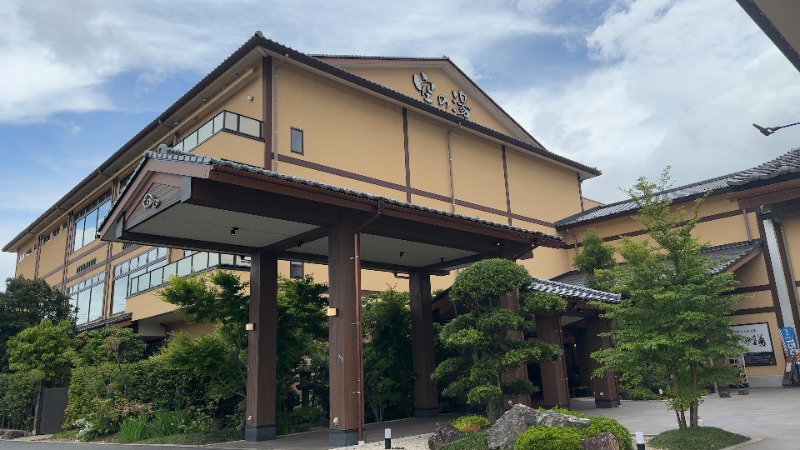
(677, 83)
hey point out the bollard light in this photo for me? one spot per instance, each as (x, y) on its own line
(639, 440)
(387, 436)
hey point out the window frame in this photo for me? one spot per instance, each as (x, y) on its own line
(294, 131)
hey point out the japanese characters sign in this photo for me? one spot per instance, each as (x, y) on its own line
(758, 344)
(456, 104)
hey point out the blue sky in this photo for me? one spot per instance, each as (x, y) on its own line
(627, 86)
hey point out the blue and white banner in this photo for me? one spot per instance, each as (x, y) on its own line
(789, 340)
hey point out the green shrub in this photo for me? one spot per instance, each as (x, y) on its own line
(471, 441)
(703, 438)
(470, 424)
(132, 430)
(549, 438)
(306, 414)
(18, 395)
(641, 393)
(157, 425)
(604, 424)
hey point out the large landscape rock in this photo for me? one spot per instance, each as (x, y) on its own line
(11, 434)
(519, 418)
(602, 441)
(443, 434)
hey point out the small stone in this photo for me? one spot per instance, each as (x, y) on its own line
(602, 441)
(443, 434)
(13, 434)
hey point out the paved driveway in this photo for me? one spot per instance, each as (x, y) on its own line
(769, 414)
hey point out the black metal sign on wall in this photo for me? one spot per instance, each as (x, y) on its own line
(757, 340)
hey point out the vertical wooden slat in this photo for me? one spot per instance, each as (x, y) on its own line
(554, 380)
(605, 387)
(426, 402)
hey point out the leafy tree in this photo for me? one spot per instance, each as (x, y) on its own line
(109, 345)
(47, 347)
(24, 304)
(675, 316)
(482, 337)
(388, 366)
(596, 255)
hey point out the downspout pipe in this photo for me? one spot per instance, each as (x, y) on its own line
(359, 327)
(450, 165)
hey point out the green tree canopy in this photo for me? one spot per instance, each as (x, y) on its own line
(109, 344)
(481, 339)
(46, 347)
(24, 304)
(596, 255)
(675, 314)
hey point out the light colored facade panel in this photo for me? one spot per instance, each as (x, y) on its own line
(428, 159)
(754, 273)
(342, 181)
(539, 189)
(234, 147)
(52, 253)
(27, 267)
(722, 231)
(342, 127)
(472, 212)
(98, 254)
(478, 171)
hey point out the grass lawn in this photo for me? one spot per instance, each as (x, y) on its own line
(704, 438)
(471, 441)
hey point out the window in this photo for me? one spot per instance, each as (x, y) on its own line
(225, 120)
(296, 269)
(297, 141)
(130, 268)
(87, 296)
(86, 265)
(88, 220)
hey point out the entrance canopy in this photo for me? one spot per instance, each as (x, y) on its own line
(184, 200)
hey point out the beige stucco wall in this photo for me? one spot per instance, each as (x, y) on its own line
(234, 147)
(52, 253)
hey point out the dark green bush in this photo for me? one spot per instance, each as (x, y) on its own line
(18, 395)
(471, 441)
(641, 393)
(306, 414)
(549, 438)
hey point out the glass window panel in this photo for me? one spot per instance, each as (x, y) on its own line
(134, 285)
(187, 253)
(103, 211)
(170, 270)
(152, 255)
(83, 306)
(78, 234)
(200, 261)
(190, 142)
(226, 259)
(90, 227)
(96, 303)
(119, 295)
(162, 252)
(184, 267)
(297, 141)
(156, 277)
(218, 122)
(126, 266)
(205, 132)
(213, 259)
(178, 146)
(137, 273)
(231, 121)
(250, 126)
(144, 281)
(161, 263)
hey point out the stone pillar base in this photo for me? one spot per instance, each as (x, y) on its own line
(343, 438)
(258, 433)
(426, 413)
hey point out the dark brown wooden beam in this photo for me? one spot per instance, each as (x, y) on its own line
(365, 264)
(261, 353)
(297, 240)
(426, 401)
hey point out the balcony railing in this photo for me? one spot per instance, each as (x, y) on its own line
(197, 262)
(225, 120)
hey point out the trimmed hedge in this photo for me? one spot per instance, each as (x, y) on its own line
(95, 390)
(549, 438)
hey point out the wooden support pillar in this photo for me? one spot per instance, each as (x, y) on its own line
(554, 380)
(345, 343)
(261, 354)
(426, 401)
(606, 394)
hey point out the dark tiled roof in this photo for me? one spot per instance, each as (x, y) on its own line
(681, 193)
(169, 154)
(569, 290)
(720, 259)
(787, 165)
(100, 323)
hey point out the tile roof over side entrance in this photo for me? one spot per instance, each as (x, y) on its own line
(782, 167)
(720, 259)
(569, 290)
(679, 194)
